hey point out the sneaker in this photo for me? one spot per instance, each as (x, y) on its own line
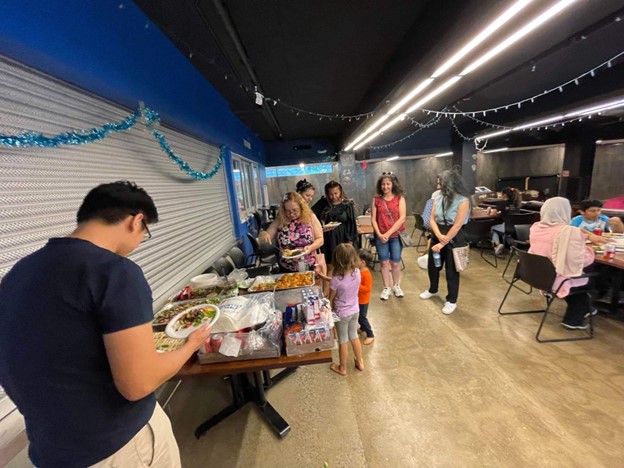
(583, 326)
(449, 308)
(427, 295)
(498, 250)
(385, 294)
(593, 312)
(398, 292)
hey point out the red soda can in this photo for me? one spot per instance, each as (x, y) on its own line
(598, 231)
(609, 252)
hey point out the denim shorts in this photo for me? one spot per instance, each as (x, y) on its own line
(390, 250)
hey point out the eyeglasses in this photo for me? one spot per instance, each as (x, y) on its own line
(387, 173)
(149, 234)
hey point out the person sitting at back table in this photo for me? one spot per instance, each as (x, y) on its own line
(564, 245)
(510, 202)
(295, 227)
(591, 218)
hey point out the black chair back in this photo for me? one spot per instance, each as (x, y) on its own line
(223, 267)
(419, 223)
(237, 256)
(536, 270)
(515, 218)
(477, 230)
(522, 232)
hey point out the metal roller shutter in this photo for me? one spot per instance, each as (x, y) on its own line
(42, 188)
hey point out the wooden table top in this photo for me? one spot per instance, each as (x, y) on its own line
(483, 214)
(193, 368)
(616, 262)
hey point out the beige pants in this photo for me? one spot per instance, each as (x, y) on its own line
(154, 445)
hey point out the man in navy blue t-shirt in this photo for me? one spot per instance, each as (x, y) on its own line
(76, 349)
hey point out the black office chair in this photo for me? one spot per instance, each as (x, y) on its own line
(263, 254)
(222, 266)
(419, 224)
(519, 242)
(238, 260)
(478, 232)
(539, 272)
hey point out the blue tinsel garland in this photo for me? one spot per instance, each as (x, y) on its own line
(81, 137)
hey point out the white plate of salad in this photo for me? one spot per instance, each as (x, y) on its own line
(186, 322)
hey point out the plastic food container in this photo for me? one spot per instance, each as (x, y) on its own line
(204, 281)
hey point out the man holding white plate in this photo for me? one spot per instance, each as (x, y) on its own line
(77, 354)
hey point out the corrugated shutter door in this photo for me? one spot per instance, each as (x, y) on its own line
(41, 189)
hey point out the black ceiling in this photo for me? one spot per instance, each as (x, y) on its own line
(344, 57)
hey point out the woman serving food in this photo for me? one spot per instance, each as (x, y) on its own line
(298, 233)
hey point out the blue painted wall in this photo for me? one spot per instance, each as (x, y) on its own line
(112, 49)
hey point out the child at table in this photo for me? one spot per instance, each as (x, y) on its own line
(591, 217)
(364, 293)
(343, 295)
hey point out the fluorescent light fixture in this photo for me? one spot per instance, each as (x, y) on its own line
(380, 131)
(376, 124)
(596, 108)
(497, 150)
(537, 123)
(410, 95)
(588, 111)
(482, 36)
(515, 37)
(434, 93)
(392, 158)
(598, 142)
(492, 135)
(441, 155)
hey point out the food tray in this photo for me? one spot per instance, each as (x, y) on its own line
(174, 308)
(223, 291)
(163, 343)
(307, 280)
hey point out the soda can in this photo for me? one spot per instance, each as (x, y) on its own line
(609, 252)
(598, 231)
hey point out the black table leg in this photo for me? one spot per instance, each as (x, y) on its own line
(243, 392)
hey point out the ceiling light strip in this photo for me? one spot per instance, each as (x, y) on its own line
(587, 111)
(515, 37)
(482, 36)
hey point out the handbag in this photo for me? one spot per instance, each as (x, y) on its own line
(404, 237)
(461, 255)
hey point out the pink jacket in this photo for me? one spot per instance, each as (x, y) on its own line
(542, 237)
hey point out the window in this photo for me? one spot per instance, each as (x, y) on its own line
(287, 171)
(247, 185)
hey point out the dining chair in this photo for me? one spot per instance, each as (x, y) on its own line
(539, 272)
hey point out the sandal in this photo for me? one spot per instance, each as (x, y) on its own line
(359, 367)
(369, 340)
(336, 368)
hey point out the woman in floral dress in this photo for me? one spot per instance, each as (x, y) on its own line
(295, 227)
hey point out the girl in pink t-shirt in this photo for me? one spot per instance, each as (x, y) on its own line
(343, 295)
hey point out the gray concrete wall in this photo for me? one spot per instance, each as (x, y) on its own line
(533, 162)
(607, 177)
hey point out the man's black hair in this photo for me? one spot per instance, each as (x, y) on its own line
(587, 204)
(113, 202)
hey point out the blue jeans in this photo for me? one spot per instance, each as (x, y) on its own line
(390, 250)
(363, 321)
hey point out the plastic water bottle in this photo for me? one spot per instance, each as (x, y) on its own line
(437, 259)
(302, 266)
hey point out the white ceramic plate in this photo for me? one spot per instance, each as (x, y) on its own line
(171, 330)
(291, 257)
(332, 224)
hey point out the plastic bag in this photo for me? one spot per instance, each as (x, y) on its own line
(240, 312)
(422, 261)
(237, 277)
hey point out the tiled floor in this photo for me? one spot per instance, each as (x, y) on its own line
(467, 390)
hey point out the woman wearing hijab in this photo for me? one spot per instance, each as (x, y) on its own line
(565, 246)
